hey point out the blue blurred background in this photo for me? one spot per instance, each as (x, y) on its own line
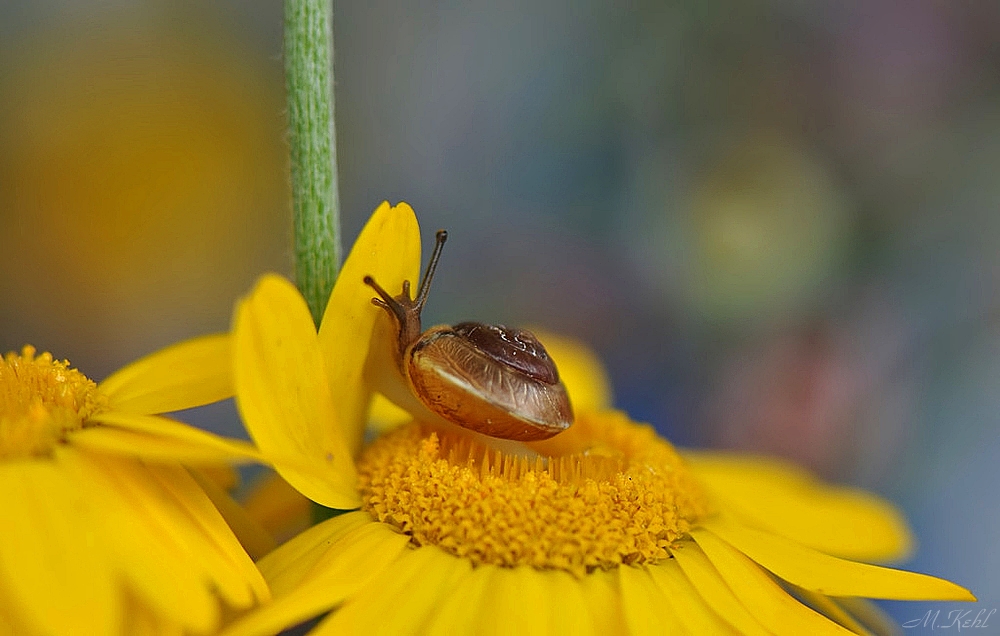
(776, 221)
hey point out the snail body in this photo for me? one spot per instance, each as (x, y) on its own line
(492, 379)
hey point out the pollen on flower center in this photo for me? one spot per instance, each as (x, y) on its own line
(41, 399)
(620, 495)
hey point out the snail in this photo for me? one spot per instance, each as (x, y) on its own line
(491, 379)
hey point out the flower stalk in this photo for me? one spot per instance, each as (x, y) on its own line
(312, 137)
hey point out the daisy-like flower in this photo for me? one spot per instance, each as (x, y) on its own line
(103, 530)
(604, 528)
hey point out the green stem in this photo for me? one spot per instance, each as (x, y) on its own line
(313, 140)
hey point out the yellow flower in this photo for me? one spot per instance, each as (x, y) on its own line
(103, 531)
(602, 529)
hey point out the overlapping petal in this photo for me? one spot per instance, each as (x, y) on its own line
(516, 602)
(869, 614)
(713, 589)
(770, 605)
(185, 375)
(571, 614)
(830, 575)
(828, 607)
(83, 529)
(327, 566)
(251, 535)
(143, 518)
(53, 566)
(785, 499)
(276, 506)
(234, 575)
(401, 598)
(283, 395)
(690, 608)
(149, 511)
(460, 611)
(645, 608)
(384, 415)
(159, 439)
(387, 249)
(293, 561)
(603, 597)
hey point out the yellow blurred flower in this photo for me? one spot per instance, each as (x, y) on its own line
(602, 529)
(104, 531)
(139, 154)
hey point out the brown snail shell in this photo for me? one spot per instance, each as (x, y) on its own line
(492, 379)
(467, 383)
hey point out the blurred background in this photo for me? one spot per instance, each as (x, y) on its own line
(777, 222)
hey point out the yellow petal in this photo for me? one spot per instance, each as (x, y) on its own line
(401, 599)
(156, 449)
(347, 567)
(773, 608)
(829, 575)
(12, 619)
(691, 610)
(515, 603)
(254, 538)
(282, 613)
(141, 620)
(600, 589)
(55, 567)
(164, 537)
(160, 555)
(182, 376)
(236, 577)
(277, 507)
(286, 567)
(713, 590)
(223, 475)
(828, 607)
(283, 396)
(646, 609)
(179, 553)
(384, 415)
(777, 496)
(580, 370)
(159, 439)
(877, 621)
(568, 611)
(462, 611)
(372, 543)
(388, 249)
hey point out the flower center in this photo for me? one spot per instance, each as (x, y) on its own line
(605, 492)
(41, 399)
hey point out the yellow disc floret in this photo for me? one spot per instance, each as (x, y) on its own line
(608, 493)
(41, 399)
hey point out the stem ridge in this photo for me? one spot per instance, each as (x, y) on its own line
(312, 139)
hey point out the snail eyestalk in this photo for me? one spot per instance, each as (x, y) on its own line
(388, 302)
(404, 309)
(425, 284)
